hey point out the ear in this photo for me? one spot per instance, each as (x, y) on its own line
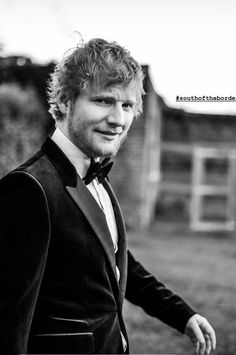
(62, 104)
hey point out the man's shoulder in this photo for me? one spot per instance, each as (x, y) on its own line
(49, 167)
(38, 166)
(28, 173)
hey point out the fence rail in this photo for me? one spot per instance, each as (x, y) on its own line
(197, 188)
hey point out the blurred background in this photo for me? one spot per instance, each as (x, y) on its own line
(179, 162)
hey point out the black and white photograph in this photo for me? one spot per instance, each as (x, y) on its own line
(117, 177)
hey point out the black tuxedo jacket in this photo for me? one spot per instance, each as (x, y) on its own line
(59, 290)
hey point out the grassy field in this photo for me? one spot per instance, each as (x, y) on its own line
(199, 267)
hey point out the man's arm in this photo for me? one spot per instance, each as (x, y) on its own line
(24, 238)
(144, 290)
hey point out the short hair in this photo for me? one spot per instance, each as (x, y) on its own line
(97, 64)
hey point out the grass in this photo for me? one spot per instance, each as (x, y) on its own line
(201, 269)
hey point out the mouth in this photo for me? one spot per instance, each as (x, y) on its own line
(109, 133)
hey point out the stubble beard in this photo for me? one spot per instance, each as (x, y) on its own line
(96, 151)
(93, 150)
(90, 148)
(105, 154)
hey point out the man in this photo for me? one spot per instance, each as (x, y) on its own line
(65, 266)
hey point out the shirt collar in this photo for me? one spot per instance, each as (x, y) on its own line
(80, 160)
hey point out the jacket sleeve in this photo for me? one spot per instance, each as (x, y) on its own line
(24, 239)
(144, 290)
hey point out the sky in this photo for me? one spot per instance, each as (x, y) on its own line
(189, 45)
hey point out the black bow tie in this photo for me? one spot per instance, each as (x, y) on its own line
(97, 170)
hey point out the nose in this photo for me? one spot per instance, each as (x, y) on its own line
(116, 116)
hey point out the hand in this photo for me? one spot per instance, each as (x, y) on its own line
(201, 334)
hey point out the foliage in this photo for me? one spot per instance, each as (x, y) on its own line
(22, 125)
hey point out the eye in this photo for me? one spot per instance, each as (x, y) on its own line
(102, 101)
(128, 105)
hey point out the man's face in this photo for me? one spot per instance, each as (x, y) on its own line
(97, 123)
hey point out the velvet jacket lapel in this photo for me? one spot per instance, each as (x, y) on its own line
(86, 202)
(122, 248)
